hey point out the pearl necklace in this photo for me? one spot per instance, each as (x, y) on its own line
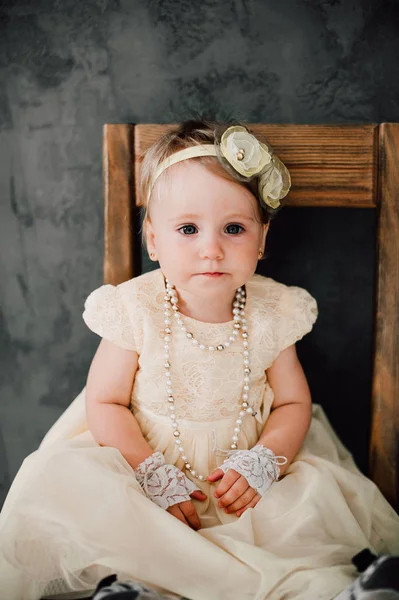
(240, 323)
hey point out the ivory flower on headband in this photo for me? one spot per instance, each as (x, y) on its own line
(243, 156)
(244, 152)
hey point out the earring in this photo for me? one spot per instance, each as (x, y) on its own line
(153, 256)
(260, 253)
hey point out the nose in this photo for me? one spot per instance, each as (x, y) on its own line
(211, 248)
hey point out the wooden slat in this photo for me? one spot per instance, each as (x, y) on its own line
(121, 250)
(384, 445)
(330, 165)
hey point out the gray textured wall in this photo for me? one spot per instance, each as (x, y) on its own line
(67, 67)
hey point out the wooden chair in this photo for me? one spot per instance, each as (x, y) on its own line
(331, 166)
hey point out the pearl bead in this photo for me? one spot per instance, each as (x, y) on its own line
(239, 325)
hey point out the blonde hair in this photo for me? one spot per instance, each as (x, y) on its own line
(187, 134)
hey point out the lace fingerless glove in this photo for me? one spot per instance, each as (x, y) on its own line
(164, 484)
(260, 466)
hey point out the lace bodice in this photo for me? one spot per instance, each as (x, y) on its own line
(206, 385)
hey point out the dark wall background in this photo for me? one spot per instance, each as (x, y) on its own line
(67, 67)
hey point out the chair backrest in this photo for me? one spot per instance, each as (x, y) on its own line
(331, 166)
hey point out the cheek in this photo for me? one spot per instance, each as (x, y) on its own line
(247, 243)
(172, 245)
(183, 243)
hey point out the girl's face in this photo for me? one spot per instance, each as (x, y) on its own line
(205, 231)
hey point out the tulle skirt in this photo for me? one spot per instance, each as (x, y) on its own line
(75, 513)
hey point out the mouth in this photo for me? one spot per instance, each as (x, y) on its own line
(213, 274)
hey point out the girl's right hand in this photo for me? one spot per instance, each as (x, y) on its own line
(185, 511)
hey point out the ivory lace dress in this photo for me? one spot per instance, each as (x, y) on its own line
(75, 512)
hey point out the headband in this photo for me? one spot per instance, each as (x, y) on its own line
(243, 156)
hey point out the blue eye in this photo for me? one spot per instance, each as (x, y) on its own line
(188, 229)
(234, 229)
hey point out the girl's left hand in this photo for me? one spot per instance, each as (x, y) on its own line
(234, 492)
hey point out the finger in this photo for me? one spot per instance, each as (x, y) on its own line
(217, 474)
(176, 512)
(228, 480)
(237, 489)
(242, 501)
(198, 495)
(251, 504)
(188, 510)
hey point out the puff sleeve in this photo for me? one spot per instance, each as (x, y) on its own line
(299, 312)
(106, 314)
